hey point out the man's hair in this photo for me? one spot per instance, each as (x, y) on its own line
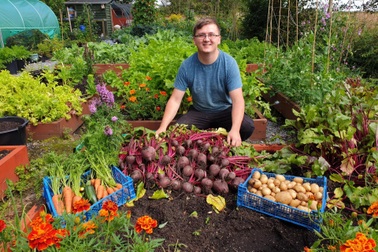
(205, 21)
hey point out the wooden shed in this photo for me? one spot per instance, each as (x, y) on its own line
(107, 13)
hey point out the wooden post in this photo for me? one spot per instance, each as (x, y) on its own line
(69, 19)
(61, 22)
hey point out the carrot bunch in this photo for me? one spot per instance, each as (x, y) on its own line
(104, 189)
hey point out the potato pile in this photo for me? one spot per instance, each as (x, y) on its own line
(296, 193)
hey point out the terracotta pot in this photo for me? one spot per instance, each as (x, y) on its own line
(18, 156)
(99, 69)
(268, 147)
(252, 67)
(58, 128)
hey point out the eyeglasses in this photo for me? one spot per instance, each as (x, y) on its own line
(204, 35)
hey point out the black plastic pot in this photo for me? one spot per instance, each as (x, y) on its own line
(16, 136)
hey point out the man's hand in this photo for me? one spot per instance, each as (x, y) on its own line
(234, 139)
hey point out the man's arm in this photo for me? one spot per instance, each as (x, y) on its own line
(171, 109)
(238, 106)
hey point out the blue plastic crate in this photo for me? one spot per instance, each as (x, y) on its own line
(122, 196)
(281, 211)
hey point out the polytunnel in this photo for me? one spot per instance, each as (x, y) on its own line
(20, 15)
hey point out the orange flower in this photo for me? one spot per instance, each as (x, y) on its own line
(41, 219)
(81, 205)
(306, 249)
(373, 209)
(145, 223)
(156, 96)
(360, 244)
(163, 93)
(147, 89)
(126, 83)
(133, 99)
(108, 211)
(132, 91)
(87, 228)
(189, 99)
(142, 85)
(122, 106)
(158, 108)
(2, 225)
(44, 236)
(148, 78)
(331, 248)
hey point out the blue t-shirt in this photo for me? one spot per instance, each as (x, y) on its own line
(209, 85)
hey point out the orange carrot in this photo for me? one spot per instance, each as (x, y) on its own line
(100, 191)
(110, 190)
(92, 181)
(75, 198)
(118, 186)
(105, 193)
(97, 183)
(58, 203)
(67, 198)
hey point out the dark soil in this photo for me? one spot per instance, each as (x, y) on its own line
(234, 229)
(9, 125)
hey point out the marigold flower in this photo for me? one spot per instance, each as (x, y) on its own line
(108, 211)
(158, 108)
(331, 248)
(189, 99)
(87, 228)
(44, 236)
(163, 93)
(156, 96)
(133, 99)
(148, 78)
(145, 223)
(147, 89)
(42, 218)
(122, 106)
(81, 205)
(306, 249)
(373, 209)
(132, 91)
(2, 225)
(110, 206)
(360, 244)
(142, 85)
(126, 83)
(128, 214)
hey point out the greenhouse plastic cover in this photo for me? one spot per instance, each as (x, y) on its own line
(20, 15)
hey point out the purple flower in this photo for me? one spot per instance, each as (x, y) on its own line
(114, 119)
(108, 131)
(92, 107)
(106, 95)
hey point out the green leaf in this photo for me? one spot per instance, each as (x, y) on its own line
(159, 194)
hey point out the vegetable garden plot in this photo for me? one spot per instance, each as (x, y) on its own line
(304, 214)
(120, 197)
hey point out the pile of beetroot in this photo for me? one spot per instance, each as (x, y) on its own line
(189, 160)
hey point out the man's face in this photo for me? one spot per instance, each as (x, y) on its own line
(207, 39)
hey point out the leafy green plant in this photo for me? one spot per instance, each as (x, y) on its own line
(109, 53)
(9, 54)
(28, 97)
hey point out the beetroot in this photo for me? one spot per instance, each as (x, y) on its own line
(130, 159)
(230, 176)
(180, 150)
(148, 153)
(207, 183)
(202, 160)
(214, 170)
(220, 186)
(187, 187)
(199, 173)
(136, 175)
(176, 184)
(165, 160)
(182, 162)
(225, 162)
(192, 154)
(187, 171)
(236, 182)
(197, 190)
(223, 173)
(164, 182)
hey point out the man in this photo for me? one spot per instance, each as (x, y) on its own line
(214, 82)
